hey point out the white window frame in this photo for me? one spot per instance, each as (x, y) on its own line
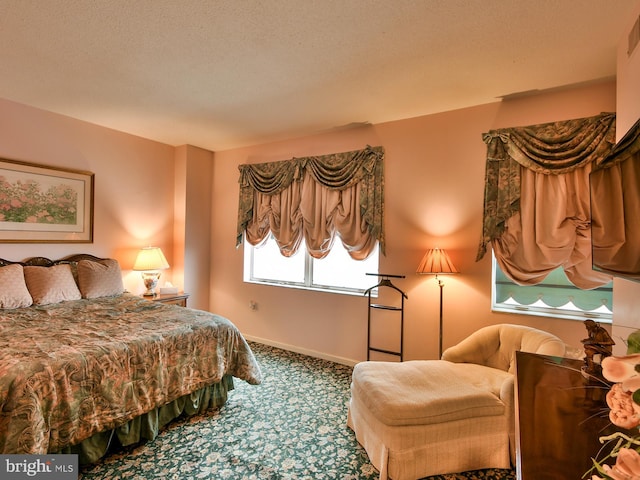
(540, 309)
(307, 283)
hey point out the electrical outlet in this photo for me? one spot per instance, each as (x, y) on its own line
(253, 305)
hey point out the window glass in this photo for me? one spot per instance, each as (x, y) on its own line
(336, 272)
(269, 264)
(555, 296)
(339, 270)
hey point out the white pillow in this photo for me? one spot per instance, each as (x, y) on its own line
(101, 278)
(51, 284)
(13, 289)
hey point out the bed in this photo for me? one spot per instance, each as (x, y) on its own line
(84, 364)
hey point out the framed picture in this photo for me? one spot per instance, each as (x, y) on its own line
(41, 204)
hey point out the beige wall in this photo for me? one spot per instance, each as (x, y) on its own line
(134, 184)
(434, 174)
(628, 80)
(627, 293)
(192, 231)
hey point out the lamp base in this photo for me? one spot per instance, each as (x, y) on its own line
(150, 280)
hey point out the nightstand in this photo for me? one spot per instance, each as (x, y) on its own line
(179, 299)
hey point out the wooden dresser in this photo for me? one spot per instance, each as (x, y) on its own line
(560, 416)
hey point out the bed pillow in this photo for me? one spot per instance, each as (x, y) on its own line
(13, 289)
(101, 278)
(51, 284)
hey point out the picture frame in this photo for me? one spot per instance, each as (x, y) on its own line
(44, 204)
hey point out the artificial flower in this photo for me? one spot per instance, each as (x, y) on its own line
(628, 462)
(622, 412)
(627, 466)
(623, 400)
(620, 369)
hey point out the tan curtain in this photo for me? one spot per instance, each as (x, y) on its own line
(615, 188)
(536, 211)
(315, 198)
(552, 229)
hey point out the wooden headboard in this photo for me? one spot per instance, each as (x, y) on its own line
(45, 262)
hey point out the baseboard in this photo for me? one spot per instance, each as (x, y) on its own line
(311, 353)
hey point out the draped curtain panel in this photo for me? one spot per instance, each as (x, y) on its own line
(615, 188)
(536, 207)
(315, 198)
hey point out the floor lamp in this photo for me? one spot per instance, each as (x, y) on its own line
(437, 262)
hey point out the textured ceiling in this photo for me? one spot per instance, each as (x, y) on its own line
(224, 74)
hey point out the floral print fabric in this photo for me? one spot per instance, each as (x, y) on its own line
(75, 368)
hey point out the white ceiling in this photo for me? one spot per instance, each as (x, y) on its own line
(221, 74)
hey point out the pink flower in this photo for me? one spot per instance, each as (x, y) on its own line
(628, 462)
(619, 369)
(624, 412)
(623, 370)
(627, 466)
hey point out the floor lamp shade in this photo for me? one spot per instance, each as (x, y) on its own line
(436, 262)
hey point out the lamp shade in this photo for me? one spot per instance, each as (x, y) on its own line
(436, 261)
(150, 258)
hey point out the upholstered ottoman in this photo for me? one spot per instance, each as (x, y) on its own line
(422, 418)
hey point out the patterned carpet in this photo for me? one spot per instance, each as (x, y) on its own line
(290, 427)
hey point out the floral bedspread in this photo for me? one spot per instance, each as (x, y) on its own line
(72, 369)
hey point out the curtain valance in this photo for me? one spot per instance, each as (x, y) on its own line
(315, 197)
(549, 149)
(337, 170)
(628, 147)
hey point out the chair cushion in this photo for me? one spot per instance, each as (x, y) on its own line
(423, 392)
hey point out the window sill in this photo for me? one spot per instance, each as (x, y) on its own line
(551, 313)
(339, 291)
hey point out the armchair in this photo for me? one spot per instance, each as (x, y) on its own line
(495, 346)
(428, 417)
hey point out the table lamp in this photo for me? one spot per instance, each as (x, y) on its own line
(150, 261)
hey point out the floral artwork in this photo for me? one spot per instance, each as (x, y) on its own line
(45, 204)
(29, 202)
(623, 400)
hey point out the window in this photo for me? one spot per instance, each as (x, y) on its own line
(556, 296)
(337, 272)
